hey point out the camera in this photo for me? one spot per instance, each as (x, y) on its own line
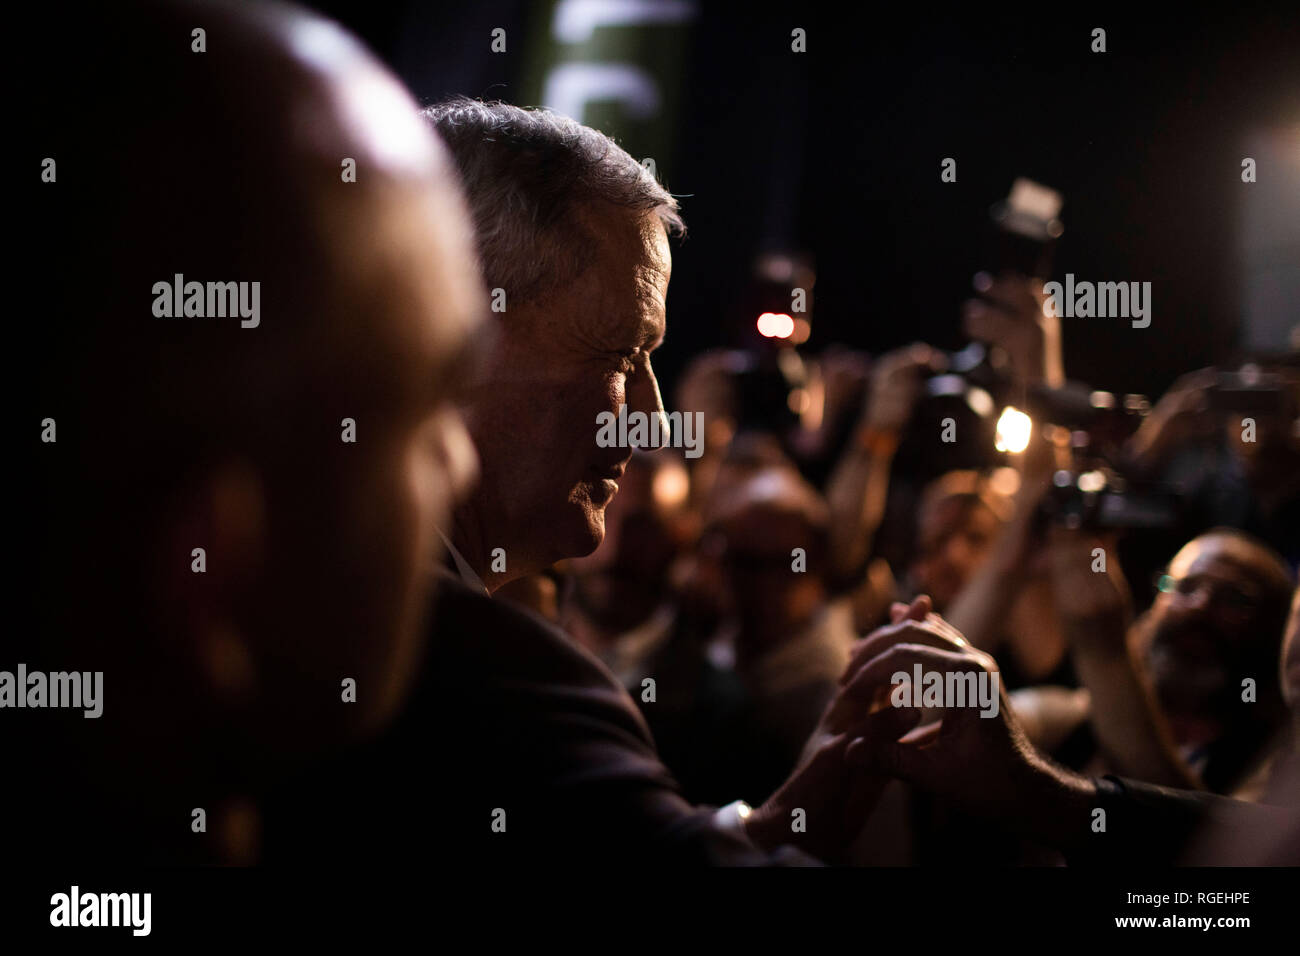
(1093, 491)
(1025, 230)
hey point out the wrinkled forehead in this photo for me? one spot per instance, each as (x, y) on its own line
(632, 258)
(618, 301)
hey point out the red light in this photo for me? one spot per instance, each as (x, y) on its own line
(775, 325)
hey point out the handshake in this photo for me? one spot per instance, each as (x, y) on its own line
(969, 751)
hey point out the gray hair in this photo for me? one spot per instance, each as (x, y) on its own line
(528, 175)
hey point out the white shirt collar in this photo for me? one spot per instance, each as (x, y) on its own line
(467, 574)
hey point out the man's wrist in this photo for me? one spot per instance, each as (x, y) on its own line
(1101, 633)
(1060, 806)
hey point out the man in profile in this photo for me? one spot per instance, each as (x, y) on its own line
(235, 520)
(529, 748)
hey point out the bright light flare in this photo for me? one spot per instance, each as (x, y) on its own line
(671, 485)
(1013, 431)
(775, 325)
(1092, 481)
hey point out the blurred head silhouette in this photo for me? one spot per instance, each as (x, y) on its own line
(241, 516)
(959, 519)
(761, 527)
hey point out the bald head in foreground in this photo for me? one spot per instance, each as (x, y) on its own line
(250, 373)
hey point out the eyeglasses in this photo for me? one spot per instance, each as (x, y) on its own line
(1226, 595)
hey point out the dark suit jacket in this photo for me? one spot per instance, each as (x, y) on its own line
(509, 722)
(1147, 824)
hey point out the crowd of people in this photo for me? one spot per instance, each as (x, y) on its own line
(434, 614)
(1179, 678)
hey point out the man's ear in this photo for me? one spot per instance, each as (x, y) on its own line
(216, 549)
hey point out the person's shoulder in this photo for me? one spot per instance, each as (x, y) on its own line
(519, 664)
(548, 717)
(505, 639)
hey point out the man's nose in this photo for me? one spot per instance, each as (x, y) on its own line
(643, 396)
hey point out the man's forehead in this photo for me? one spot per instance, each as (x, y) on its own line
(621, 296)
(1217, 557)
(633, 237)
(654, 237)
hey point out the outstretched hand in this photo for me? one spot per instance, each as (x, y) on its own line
(976, 758)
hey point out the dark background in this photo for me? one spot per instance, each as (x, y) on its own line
(836, 152)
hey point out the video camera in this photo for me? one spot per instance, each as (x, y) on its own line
(1092, 490)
